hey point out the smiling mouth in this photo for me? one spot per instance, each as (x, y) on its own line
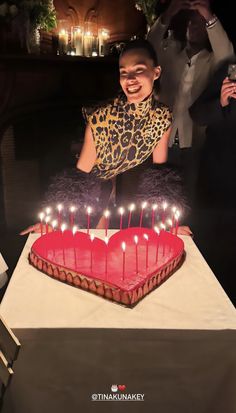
(133, 89)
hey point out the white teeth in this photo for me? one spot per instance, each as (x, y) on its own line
(133, 89)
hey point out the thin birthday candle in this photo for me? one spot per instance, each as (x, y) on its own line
(163, 228)
(47, 220)
(164, 206)
(106, 242)
(41, 216)
(59, 209)
(136, 251)
(92, 236)
(154, 208)
(72, 216)
(63, 228)
(89, 210)
(74, 230)
(131, 209)
(121, 212)
(156, 229)
(106, 215)
(123, 247)
(144, 204)
(177, 215)
(146, 238)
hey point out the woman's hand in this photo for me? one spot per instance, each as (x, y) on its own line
(36, 228)
(184, 230)
(174, 8)
(203, 8)
(228, 90)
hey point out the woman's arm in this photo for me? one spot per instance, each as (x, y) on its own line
(160, 153)
(88, 154)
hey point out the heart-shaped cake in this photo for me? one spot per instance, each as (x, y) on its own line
(124, 269)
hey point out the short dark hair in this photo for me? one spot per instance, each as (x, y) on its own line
(141, 44)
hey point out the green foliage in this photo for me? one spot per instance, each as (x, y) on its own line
(148, 7)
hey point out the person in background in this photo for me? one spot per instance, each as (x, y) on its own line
(187, 67)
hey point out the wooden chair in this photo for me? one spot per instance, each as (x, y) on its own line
(9, 349)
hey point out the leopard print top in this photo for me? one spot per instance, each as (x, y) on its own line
(125, 134)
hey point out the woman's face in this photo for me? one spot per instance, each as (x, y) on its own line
(137, 75)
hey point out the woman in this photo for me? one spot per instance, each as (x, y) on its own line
(121, 135)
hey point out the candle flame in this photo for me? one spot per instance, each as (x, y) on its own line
(106, 240)
(89, 210)
(72, 208)
(63, 227)
(144, 204)
(169, 222)
(156, 229)
(177, 215)
(48, 210)
(54, 223)
(121, 210)
(154, 207)
(136, 239)
(47, 219)
(92, 236)
(41, 216)
(74, 229)
(145, 236)
(174, 209)
(59, 207)
(164, 205)
(106, 213)
(163, 226)
(63, 32)
(131, 207)
(123, 246)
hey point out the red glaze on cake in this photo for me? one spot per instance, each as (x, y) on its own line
(67, 257)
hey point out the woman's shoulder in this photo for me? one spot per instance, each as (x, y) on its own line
(98, 109)
(161, 108)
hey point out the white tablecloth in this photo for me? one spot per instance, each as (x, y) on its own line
(190, 299)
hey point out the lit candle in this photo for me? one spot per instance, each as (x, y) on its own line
(78, 41)
(123, 247)
(170, 223)
(164, 206)
(136, 251)
(47, 219)
(106, 242)
(54, 224)
(145, 236)
(103, 36)
(92, 236)
(63, 228)
(89, 210)
(163, 228)
(48, 210)
(121, 211)
(144, 204)
(74, 230)
(41, 216)
(63, 41)
(88, 39)
(156, 229)
(59, 209)
(131, 209)
(72, 216)
(106, 215)
(154, 208)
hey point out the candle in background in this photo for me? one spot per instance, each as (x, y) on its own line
(123, 247)
(63, 228)
(163, 228)
(92, 236)
(177, 215)
(74, 230)
(78, 40)
(131, 209)
(121, 212)
(170, 223)
(63, 38)
(41, 217)
(103, 37)
(156, 229)
(94, 45)
(106, 253)
(89, 210)
(48, 210)
(88, 38)
(54, 224)
(145, 236)
(72, 216)
(174, 209)
(144, 204)
(136, 251)
(154, 208)
(59, 209)
(106, 215)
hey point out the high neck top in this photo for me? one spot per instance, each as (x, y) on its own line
(125, 134)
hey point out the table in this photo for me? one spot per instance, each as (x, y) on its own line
(177, 346)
